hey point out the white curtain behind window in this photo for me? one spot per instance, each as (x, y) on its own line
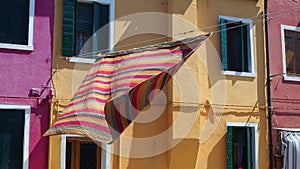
(290, 149)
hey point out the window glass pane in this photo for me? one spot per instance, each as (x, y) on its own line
(11, 138)
(91, 17)
(237, 47)
(242, 146)
(14, 30)
(292, 52)
(68, 155)
(88, 156)
(101, 19)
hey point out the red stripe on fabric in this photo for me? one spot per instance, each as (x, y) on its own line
(118, 119)
(89, 110)
(138, 96)
(95, 81)
(124, 85)
(133, 98)
(161, 80)
(87, 99)
(93, 88)
(132, 77)
(124, 115)
(105, 72)
(110, 62)
(116, 80)
(152, 87)
(83, 123)
(114, 61)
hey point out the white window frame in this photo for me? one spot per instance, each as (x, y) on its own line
(105, 152)
(251, 65)
(111, 29)
(254, 139)
(30, 45)
(26, 139)
(282, 28)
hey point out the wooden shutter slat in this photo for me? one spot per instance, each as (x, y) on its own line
(84, 17)
(224, 44)
(229, 147)
(68, 34)
(249, 161)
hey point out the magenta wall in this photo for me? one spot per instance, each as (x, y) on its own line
(22, 70)
(285, 95)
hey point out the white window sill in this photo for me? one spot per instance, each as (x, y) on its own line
(242, 74)
(81, 60)
(16, 46)
(291, 78)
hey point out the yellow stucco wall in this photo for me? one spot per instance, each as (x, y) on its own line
(232, 98)
(67, 76)
(196, 134)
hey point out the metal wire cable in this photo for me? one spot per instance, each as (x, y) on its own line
(261, 18)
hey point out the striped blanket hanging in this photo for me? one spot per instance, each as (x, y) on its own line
(118, 86)
(290, 149)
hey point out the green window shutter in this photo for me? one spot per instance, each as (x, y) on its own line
(84, 17)
(244, 47)
(249, 157)
(100, 28)
(229, 147)
(224, 45)
(68, 34)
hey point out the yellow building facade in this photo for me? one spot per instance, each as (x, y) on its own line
(201, 108)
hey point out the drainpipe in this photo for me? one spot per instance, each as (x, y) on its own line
(269, 106)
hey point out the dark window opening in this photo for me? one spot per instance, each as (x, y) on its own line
(14, 30)
(235, 44)
(11, 138)
(292, 52)
(85, 29)
(240, 148)
(82, 154)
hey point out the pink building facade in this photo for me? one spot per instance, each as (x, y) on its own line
(284, 47)
(26, 36)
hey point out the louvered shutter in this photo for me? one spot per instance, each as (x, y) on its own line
(100, 28)
(229, 147)
(224, 51)
(84, 27)
(249, 153)
(68, 34)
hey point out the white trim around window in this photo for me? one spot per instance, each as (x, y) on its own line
(30, 45)
(282, 28)
(105, 152)
(26, 109)
(234, 73)
(255, 128)
(111, 25)
(251, 65)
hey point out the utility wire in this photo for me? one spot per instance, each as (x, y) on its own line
(261, 17)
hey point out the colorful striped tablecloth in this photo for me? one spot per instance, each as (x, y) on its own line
(118, 86)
